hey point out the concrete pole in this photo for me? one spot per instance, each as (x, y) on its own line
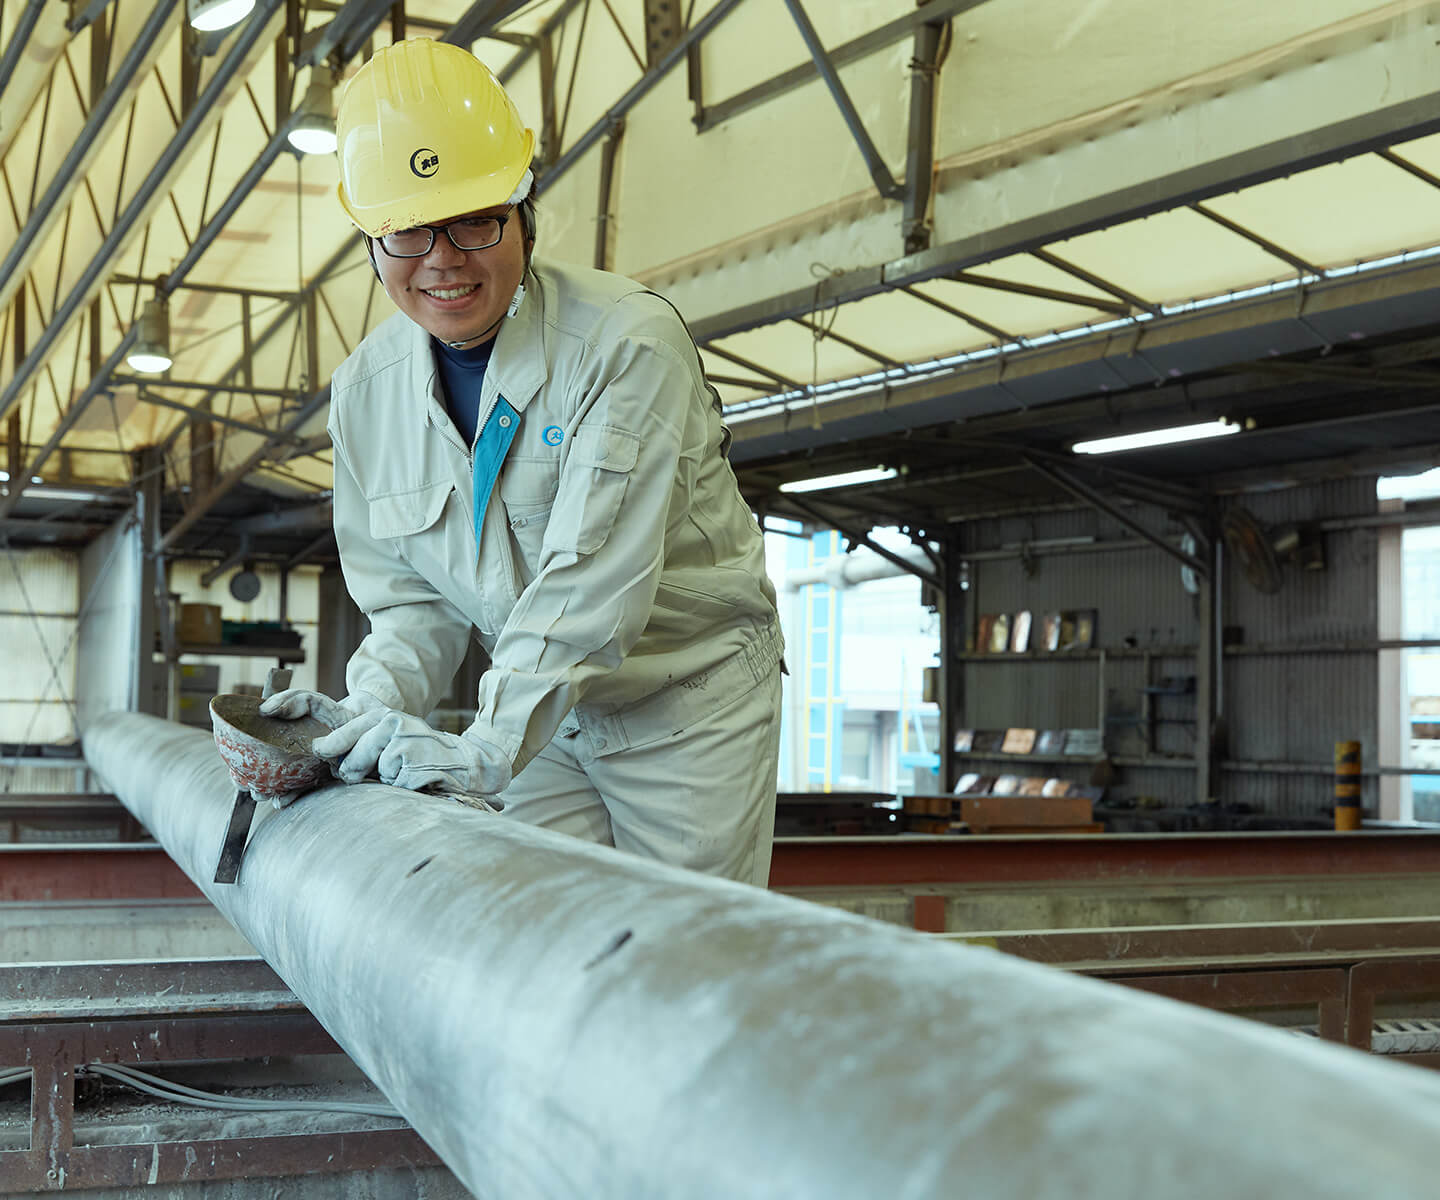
(560, 1019)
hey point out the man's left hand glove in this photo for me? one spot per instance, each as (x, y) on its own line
(409, 754)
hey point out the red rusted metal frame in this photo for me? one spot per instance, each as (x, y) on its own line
(1097, 858)
(118, 872)
(1294, 942)
(235, 1009)
(1229, 991)
(1372, 980)
(135, 872)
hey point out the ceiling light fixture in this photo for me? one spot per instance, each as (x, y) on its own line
(313, 129)
(150, 354)
(211, 15)
(848, 479)
(1156, 437)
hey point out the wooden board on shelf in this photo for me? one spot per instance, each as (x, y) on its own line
(984, 813)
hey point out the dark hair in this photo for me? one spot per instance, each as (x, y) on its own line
(527, 215)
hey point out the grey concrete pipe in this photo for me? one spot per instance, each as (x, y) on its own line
(560, 1020)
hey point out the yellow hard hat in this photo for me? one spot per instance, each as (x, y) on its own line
(426, 132)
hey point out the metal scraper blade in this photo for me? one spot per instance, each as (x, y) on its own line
(228, 868)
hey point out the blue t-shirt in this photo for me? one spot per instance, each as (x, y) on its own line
(462, 372)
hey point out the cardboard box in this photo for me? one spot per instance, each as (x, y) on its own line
(194, 677)
(199, 624)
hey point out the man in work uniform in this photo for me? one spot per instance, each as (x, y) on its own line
(532, 452)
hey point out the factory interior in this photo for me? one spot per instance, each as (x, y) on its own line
(1076, 359)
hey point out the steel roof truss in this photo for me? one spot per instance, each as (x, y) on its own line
(750, 365)
(993, 330)
(15, 48)
(1088, 495)
(879, 172)
(936, 13)
(1264, 243)
(1041, 293)
(915, 225)
(1411, 168)
(821, 332)
(1095, 281)
(40, 215)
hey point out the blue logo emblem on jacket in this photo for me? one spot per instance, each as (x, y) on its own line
(552, 435)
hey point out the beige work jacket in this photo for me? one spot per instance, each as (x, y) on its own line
(617, 560)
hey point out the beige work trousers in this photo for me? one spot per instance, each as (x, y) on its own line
(702, 798)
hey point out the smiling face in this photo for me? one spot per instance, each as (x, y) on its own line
(457, 295)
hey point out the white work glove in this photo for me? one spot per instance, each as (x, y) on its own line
(294, 703)
(409, 754)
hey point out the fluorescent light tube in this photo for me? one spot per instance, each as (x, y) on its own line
(848, 479)
(1156, 437)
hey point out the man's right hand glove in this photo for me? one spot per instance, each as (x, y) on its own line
(294, 703)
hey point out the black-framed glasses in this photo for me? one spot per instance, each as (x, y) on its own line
(465, 234)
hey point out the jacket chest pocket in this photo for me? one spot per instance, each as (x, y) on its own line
(527, 490)
(589, 497)
(411, 522)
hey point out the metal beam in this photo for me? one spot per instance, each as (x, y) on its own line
(346, 32)
(637, 92)
(749, 365)
(667, 971)
(920, 156)
(603, 228)
(1095, 281)
(479, 19)
(936, 12)
(879, 172)
(1264, 243)
(145, 396)
(19, 39)
(1041, 293)
(201, 385)
(303, 518)
(860, 537)
(1332, 143)
(552, 23)
(236, 475)
(820, 333)
(82, 15)
(169, 159)
(40, 220)
(984, 326)
(1088, 495)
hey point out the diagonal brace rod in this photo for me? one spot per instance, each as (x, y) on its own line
(1094, 499)
(879, 172)
(863, 539)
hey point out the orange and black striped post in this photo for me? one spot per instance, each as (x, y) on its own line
(1347, 785)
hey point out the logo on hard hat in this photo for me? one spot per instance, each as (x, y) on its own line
(553, 435)
(424, 162)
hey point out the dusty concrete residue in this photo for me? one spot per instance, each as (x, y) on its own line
(268, 755)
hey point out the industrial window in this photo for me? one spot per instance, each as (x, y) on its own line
(38, 606)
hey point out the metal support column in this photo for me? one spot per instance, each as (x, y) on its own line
(1207, 673)
(920, 158)
(14, 450)
(604, 229)
(949, 691)
(342, 628)
(155, 623)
